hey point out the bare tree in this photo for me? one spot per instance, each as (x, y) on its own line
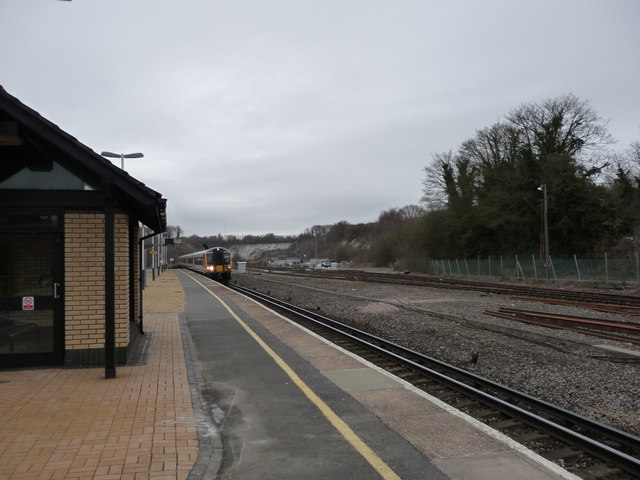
(563, 125)
(434, 195)
(411, 212)
(174, 231)
(493, 146)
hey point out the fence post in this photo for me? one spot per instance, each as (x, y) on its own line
(450, 269)
(575, 258)
(519, 268)
(553, 270)
(489, 265)
(533, 260)
(637, 269)
(466, 265)
(501, 267)
(606, 268)
(478, 265)
(458, 267)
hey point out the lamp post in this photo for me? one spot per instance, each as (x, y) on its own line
(315, 235)
(122, 156)
(543, 188)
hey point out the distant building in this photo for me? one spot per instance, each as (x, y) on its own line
(292, 262)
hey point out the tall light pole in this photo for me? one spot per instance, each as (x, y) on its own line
(315, 235)
(543, 188)
(122, 156)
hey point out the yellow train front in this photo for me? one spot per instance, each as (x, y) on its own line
(214, 263)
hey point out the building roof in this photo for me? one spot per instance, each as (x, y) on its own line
(148, 205)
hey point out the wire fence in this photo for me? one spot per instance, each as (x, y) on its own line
(609, 269)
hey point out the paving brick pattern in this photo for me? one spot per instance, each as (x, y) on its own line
(75, 424)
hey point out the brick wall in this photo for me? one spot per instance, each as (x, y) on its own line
(84, 280)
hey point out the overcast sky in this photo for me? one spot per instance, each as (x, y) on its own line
(260, 116)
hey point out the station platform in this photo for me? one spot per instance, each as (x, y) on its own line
(231, 390)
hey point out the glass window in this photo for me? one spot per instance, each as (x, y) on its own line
(19, 219)
(218, 257)
(27, 266)
(28, 272)
(26, 332)
(57, 178)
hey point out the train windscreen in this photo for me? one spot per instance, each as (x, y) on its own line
(218, 257)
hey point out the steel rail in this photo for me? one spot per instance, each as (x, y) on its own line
(622, 332)
(592, 333)
(600, 307)
(469, 383)
(599, 323)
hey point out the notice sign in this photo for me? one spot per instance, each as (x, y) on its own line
(28, 303)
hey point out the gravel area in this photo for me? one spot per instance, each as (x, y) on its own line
(561, 367)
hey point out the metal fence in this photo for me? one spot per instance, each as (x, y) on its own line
(609, 269)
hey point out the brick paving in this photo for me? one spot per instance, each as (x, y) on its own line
(74, 424)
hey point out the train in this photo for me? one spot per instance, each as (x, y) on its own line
(213, 262)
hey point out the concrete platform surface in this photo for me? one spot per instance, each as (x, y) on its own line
(416, 436)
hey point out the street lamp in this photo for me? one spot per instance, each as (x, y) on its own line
(122, 156)
(543, 188)
(315, 235)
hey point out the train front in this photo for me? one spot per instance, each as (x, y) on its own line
(218, 263)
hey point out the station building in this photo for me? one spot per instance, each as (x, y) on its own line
(70, 262)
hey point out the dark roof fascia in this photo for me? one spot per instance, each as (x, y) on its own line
(145, 202)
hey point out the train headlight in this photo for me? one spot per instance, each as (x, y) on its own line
(210, 269)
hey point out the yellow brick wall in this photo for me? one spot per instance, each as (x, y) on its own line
(122, 279)
(84, 279)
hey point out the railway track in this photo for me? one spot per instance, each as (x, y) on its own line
(618, 331)
(628, 304)
(588, 449)
(598, 307)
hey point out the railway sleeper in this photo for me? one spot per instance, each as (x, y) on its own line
(565, 454)
(408, 375)
(372, 357)
(434, 388)
(392, 367)
(420, 382)
(489, 415)
(599, 471)
(507, 424)
(468, 403)
(533, 436)
(449, 396)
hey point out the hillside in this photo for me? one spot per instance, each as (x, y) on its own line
(258, 251)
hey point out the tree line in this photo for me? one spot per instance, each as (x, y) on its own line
(485, 197)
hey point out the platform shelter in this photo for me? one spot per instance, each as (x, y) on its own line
(70, 247)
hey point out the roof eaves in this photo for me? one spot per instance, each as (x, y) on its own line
(146, 198)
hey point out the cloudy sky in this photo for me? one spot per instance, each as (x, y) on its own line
(259, 116)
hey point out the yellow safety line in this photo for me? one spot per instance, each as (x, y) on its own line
(345, 430)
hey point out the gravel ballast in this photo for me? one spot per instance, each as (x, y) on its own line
(564, 368)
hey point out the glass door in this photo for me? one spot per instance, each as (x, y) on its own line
(30, 299)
